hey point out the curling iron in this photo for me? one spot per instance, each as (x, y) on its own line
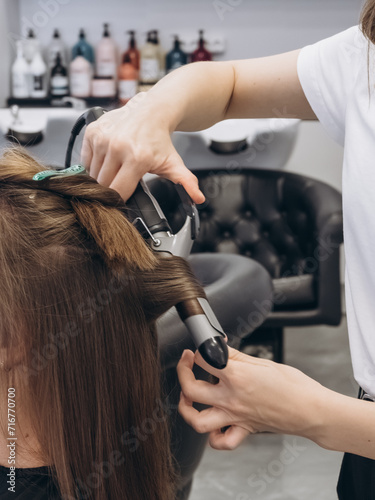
(197, 315)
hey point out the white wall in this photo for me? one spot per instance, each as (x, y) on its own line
(316, 155)
(9, 26)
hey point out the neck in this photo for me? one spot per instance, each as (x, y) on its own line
(26, 445)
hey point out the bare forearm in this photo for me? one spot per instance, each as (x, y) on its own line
(195, 96)
(198, 95)
(345, 424)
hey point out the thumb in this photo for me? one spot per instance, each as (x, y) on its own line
(237, 355)
(180, 174)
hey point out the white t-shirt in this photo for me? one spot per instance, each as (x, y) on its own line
(335, 78)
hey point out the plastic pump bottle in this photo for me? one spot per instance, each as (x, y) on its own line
(86, 49)
(150, 62)
(59, 79)
(160, 52)
(127, 80)
(38, 71)
(176, 57)
(56, 47)
(106, 55)
(132, 51)
(201, 53)
(20, 74)
(31, 46)
(80, 72)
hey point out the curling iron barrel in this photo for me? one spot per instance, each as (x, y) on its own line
(205, 330)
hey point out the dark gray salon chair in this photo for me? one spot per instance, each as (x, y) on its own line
(289, 223)
(233, 284)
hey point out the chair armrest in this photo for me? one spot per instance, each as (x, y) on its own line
(322, 203)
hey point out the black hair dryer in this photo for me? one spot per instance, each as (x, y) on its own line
(197, 315)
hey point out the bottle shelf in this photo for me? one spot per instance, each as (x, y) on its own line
(104, 102)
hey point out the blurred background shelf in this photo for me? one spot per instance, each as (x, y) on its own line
(104, 102)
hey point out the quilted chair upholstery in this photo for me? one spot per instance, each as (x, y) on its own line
(289, 223)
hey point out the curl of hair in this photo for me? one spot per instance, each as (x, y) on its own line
(100, 211)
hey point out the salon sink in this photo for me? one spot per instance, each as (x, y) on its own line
(269, 142)
(55, 124)
(261, 143)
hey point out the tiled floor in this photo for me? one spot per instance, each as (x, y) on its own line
(271, 467)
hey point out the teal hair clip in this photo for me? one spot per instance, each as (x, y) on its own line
(73, 170)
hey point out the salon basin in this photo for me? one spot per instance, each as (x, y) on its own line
(235, 287)
(261, 143)
(55, 125)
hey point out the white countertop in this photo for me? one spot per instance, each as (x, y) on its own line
(36, 118)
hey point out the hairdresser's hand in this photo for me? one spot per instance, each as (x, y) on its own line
(253, 395)
(124, 144)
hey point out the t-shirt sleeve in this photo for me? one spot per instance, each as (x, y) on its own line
(327, 72)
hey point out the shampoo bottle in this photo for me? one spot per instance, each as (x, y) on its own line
(160, 52)
(86, 50)
(132, 51)
(201, 53)
(20, 74)
(59, 79)
(56, 47)
(106, 55)
(30, 46)
(38, 71)
(80, 72)
(127, 80)
(176, 57)
(150, 63)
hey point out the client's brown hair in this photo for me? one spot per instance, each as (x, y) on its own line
(368, 20)
(79, 295)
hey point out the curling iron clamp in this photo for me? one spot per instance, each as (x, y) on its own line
(197, 315)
